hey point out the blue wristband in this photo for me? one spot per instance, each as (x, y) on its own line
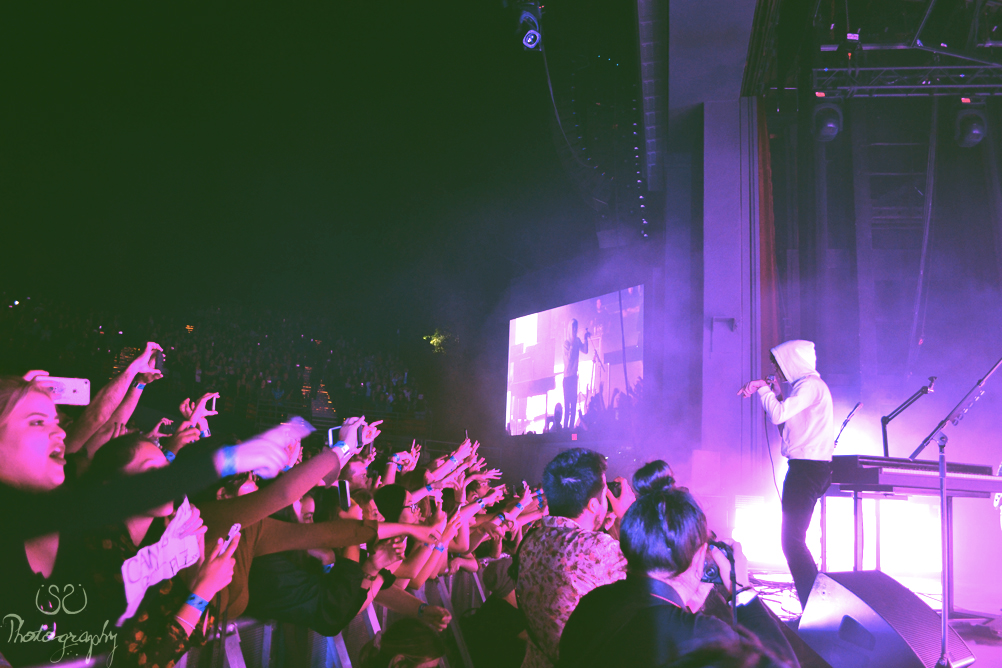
(328, 568)
(140, 386)
(169, 455)
(453, 460)
(520, 506)
(204, 434)
(428, 487)
(440, 548)
(501, 517)
(197, 602)
(229, 461)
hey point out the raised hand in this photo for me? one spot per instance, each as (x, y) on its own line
(370, 432)
(388, 552)
(147, 378)
(35, 374)
(187, 407)
(751, 388)
(620, 504)
(415, 456)
(464, 450)
(145, 362)
(295, 452)
(194, 525)
(201, 409)
(371, 457)
(438, 517)
(261, 454)
(425, 534)
(436, 617)
(155, 433)
(181, 438)
(354, 512)
(217, 571)
(527, 494)
(349, 435)
(495, 495)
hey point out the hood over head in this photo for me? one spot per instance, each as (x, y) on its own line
(796, 359)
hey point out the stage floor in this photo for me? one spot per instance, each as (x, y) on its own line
(776, 589)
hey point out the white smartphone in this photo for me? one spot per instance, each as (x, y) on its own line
(330, 441)
(73, 391)
(234, 531)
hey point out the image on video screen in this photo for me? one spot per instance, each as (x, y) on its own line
(565, 365)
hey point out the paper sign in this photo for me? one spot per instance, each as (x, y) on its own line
(159, 562)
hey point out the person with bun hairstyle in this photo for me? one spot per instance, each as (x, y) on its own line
(651, 617)
(653, 476)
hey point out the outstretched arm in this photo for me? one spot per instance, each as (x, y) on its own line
(109, 398)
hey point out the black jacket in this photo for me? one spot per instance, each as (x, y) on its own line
(282, 589)
(641, 622)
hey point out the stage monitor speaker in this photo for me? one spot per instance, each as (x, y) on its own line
(866, 619)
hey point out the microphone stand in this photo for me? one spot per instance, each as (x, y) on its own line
(884, 421)
(958, 412)
(955, 416)
(846, 422)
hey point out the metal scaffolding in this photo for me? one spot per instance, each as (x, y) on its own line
(956, 80)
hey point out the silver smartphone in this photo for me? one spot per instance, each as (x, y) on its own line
(72, 391)
(234, 531)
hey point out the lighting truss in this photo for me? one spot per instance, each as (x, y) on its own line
(908, 81)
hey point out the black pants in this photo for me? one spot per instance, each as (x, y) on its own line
(570, 400)
(806, 481)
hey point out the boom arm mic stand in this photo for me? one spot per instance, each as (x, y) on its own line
(955, 416)
(958, 412)
(886, 420)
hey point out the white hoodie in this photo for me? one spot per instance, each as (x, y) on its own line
(806, 415)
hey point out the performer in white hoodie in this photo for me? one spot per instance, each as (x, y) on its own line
(806, 425)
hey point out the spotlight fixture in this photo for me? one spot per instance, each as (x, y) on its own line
(827, 121)
(528, 25)
(971, 126)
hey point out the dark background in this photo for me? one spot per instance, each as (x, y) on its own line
(395, 165)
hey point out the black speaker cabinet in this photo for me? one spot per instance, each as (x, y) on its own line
(865, 619)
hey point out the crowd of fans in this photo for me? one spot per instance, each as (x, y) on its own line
(246, 355)
(171, 536)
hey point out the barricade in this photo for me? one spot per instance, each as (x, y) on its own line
(251, 643)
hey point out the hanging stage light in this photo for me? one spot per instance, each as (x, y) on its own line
(972, 124)
(528, 25)
(827, 121)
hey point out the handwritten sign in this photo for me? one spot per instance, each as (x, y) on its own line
(159, 562)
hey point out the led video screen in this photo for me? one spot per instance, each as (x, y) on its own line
(578, 366)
